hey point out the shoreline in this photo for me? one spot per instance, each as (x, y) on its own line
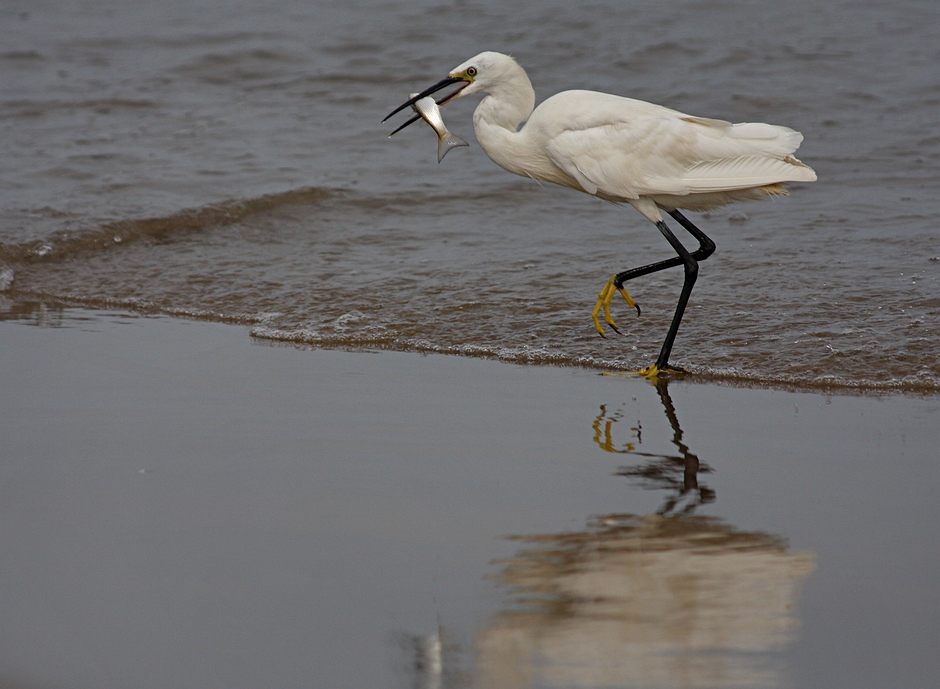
(310, 340)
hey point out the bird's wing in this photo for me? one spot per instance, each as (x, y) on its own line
(618, 159)
(672, 153)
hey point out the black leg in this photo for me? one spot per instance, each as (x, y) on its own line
(683, 258)
(691, 273)
(688, 260)
(706, 245)
(706, 248)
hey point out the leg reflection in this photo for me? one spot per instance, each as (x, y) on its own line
(676, 473)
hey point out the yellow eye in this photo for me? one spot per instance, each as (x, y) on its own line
(471, 71)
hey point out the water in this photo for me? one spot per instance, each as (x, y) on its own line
(226, 161)
(180, 508)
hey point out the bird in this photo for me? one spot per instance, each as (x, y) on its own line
(625, 151)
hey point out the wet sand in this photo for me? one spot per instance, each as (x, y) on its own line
(185, 506)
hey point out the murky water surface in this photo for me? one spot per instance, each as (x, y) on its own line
(227, 161)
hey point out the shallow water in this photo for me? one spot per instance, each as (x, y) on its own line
(181, 506)
(226, 161)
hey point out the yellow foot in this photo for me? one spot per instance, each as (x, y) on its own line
(653, 372)
(603, 302)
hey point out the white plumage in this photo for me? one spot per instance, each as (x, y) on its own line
(621, 149)
(626, 151)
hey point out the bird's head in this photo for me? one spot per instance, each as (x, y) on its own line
(477, 75)
(485, 72)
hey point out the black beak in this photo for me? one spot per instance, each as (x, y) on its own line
(444, 83)
(446, 99)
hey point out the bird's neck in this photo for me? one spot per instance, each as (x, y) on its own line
(509, 104)
(496, 120)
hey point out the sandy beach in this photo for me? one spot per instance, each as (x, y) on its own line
(186, 506)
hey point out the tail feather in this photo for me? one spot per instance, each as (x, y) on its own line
(744, 172)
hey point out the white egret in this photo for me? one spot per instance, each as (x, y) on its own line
(626, 151)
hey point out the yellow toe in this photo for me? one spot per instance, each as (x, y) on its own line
(653, 372)
(604, 297)
(630, 302)
(603, 301)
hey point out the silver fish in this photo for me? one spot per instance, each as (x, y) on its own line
(431, 113)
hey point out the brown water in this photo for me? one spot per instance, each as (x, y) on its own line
(226, 161)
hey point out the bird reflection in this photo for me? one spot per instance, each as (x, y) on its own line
(670, 599)
(676, 473)
(652, 601)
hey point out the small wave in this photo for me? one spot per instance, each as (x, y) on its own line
(356, 331)
(66, 245)
(925, 385)
(202, 39)
(377, 338)
(23, 56)
(101, 106)
(29, 299)
(236, 66)
(335, 335)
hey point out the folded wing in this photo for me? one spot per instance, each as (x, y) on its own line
(625, 151)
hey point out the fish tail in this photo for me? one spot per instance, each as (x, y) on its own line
(447, 142)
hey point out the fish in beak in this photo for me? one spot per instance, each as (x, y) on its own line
(442, 84)
(428, 108)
